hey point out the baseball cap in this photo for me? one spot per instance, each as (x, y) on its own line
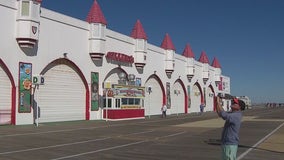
(240, 104)
(235, 104)
(235, 101)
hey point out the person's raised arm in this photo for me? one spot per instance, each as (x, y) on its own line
(219, 108)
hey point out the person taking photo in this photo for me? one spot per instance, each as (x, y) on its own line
(231, 129)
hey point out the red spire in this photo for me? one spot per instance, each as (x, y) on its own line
(203, 58)
(216, 63)
(187, 52)
(167, 43)
(138, 31)
(39, 1)
(96, 15)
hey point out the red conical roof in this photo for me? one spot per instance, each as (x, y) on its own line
(216, 63)
(96, 15)
(187, 52)
(138, 31)
(203, 58)
(39, 1)
(167, 43)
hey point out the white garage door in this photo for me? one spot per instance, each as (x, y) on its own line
(209, 100)
(195, 99)
(62, 97)
(177, 96)
(5, 98)
(153, 101)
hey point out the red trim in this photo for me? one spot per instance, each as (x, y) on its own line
(13, 96)
(13, 114)
(96, 56)
(123, 113)
(87, 105)
(26, 39)
(140, 65)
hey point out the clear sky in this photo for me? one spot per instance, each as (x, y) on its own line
(246, 36)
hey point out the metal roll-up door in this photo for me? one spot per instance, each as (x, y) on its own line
(177, 97)
(196, 99)
(209, 100)
(62, 97)
(5, 98)
(154, 100)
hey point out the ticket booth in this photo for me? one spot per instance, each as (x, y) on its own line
(123, 102)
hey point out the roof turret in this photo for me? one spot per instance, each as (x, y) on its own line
(167, 43)
(216, 63)
(138, 31)
(203, 58)
(96, 15)
(187, 52)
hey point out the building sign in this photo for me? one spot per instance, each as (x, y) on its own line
(94, 91)
(115, 56)
(25, 84)
(128, 91)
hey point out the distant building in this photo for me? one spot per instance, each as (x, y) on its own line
(81, 70)
(247, 100)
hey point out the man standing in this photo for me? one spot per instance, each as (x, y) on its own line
(202, 105)
(164, 111)
(230, 133)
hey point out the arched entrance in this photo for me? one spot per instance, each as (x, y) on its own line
(155, 97)
(7, 96)
(197, 97)
(65, 94)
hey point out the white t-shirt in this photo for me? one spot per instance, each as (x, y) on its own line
(164, 108)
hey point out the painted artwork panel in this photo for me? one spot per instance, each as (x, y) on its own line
(25, 85)
(188, 99)
(94, 91)
(168, 91)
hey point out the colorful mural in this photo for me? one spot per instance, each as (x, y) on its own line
(94, 91)
(25, 85)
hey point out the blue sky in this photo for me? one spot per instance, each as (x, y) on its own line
(246, 36)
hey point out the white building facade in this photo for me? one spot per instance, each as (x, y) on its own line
(90, 72)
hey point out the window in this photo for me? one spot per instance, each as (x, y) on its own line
(108, 103)
(130, 101)
(117, 103)
(124, 101)
(25, 8)
(137, 101)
